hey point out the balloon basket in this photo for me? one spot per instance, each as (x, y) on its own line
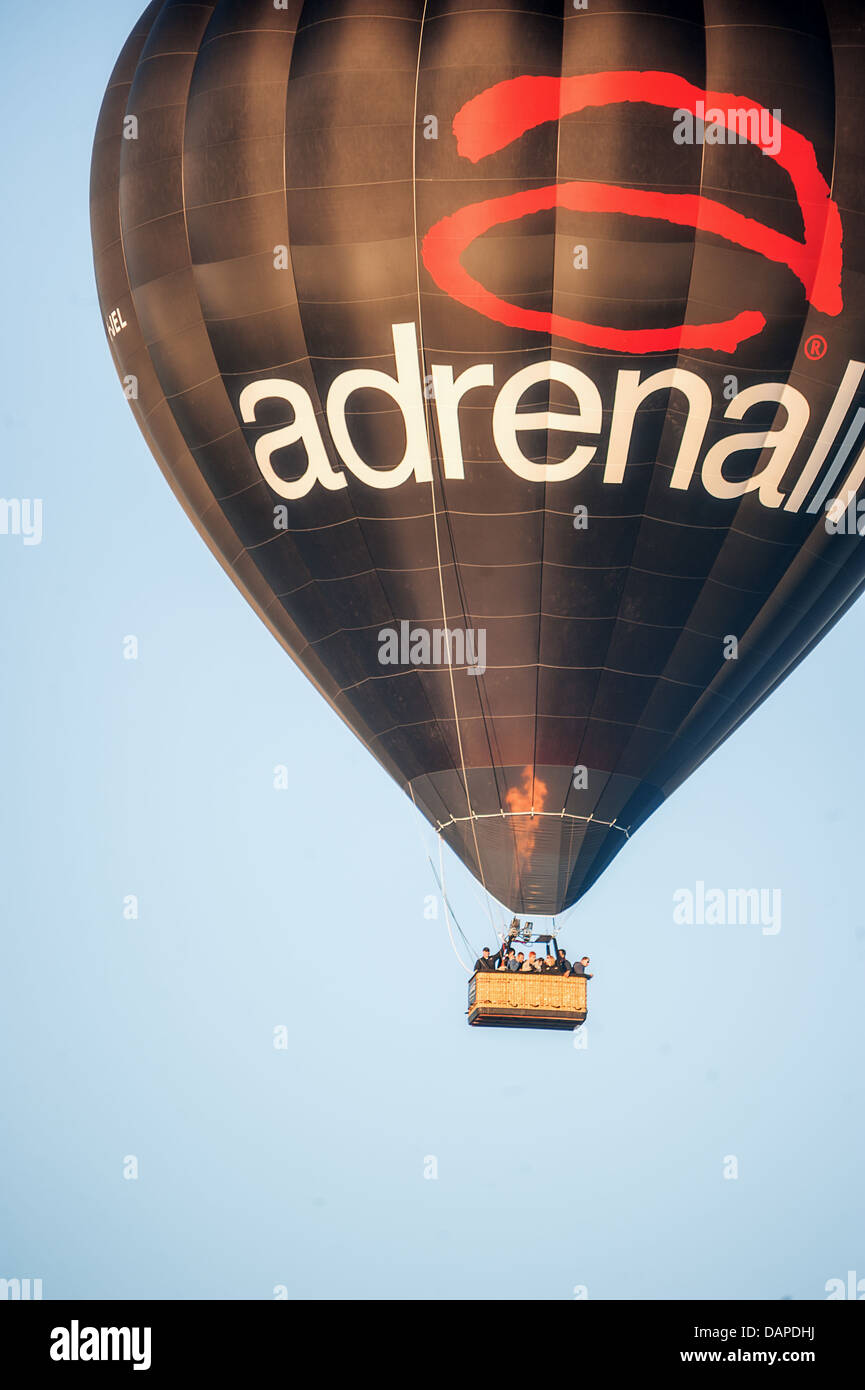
(505, 999)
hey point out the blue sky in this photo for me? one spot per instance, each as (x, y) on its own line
(303, 1167)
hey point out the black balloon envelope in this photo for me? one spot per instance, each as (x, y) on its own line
(508, 361)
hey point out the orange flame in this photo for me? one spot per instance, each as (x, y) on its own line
(530, 797)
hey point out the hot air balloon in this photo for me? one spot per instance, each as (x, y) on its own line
(507, 362)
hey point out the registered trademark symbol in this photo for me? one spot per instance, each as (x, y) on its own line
(815, 347)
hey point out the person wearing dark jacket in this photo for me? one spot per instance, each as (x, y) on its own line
(512, 963)
(564, 965)
(549, 965)
(579, 967)
(485, 961)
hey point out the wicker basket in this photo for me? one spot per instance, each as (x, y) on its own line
(522, 999)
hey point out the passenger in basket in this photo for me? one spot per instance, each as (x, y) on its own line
(512, 962)
(485, 961)
(549, 965)
(521, 962)
(580, 968)
(531, 963)
(564, 965)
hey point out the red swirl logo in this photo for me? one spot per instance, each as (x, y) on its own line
(501, 114)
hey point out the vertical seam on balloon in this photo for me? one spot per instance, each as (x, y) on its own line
(603, 669)
(666, 425)
(374, 569)
(183, 191)
(549, 394)
(432, 460)
(484, 712)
